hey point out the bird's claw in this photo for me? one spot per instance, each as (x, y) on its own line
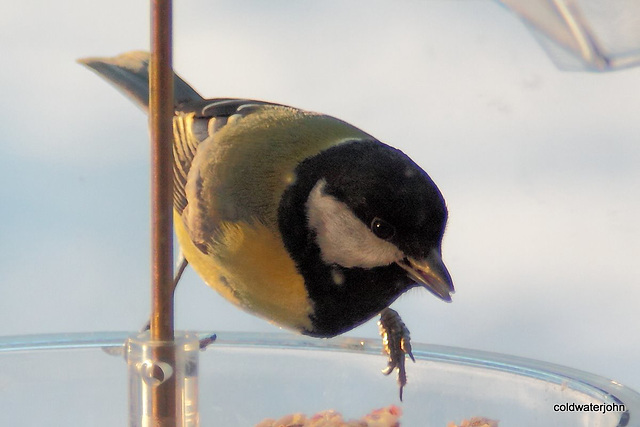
(396, 342)
(207, 340)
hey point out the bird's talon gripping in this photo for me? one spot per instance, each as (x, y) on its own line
(396, 342)
(206, 341)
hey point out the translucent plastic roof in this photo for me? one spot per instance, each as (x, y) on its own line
(593, 35)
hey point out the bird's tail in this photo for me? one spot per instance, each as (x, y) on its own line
(129, 73)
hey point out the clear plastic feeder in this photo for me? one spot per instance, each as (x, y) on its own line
(82, 380)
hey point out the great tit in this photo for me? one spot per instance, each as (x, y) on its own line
(297, 217)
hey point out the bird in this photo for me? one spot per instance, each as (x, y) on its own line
(295, 216)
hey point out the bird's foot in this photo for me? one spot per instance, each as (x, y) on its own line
(396, 342)
(207, 340)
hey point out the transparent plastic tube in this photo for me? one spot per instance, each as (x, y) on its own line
(163, 373)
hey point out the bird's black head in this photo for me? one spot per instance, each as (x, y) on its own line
(363, 223)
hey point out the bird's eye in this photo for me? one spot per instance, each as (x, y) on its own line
(382, 229)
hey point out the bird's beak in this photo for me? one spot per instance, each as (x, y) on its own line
(431, 273)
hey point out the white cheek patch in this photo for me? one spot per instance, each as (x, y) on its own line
(344, 239)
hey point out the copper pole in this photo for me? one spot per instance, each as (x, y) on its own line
(160, 117)
(161, 128)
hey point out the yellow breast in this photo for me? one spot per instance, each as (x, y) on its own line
(250, 267)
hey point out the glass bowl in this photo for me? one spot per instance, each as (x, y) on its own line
(74, 379)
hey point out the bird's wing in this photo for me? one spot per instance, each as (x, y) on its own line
(193, 123)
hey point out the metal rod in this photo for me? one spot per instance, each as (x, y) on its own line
(161, 116)
(163, 399)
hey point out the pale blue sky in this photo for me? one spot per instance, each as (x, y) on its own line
(539, 167)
